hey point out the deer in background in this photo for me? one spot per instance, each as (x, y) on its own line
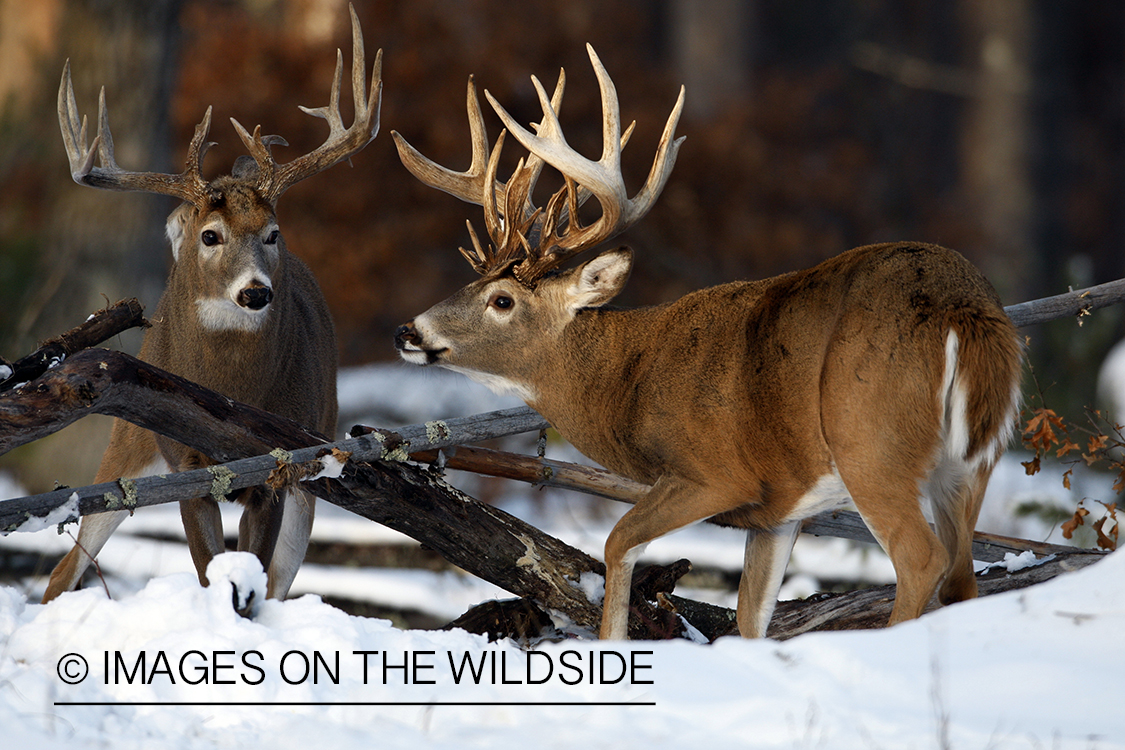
(240, 315)
(881, 375)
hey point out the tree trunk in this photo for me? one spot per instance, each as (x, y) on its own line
(996, 138)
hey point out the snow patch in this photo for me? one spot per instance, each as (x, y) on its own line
(63, 514)
(331, 468)
(1013, 562)
(593, 586)
(242, 571)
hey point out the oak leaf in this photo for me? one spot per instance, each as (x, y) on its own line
(1075, 521)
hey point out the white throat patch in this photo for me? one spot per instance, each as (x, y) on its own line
(496, 383)
(220, 314)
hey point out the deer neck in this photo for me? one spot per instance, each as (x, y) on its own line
(591, 376)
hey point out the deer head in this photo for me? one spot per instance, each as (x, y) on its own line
(522, 297)
(225, 236)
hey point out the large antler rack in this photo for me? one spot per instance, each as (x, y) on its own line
(273, 179)
(188, 186)
(342, 143)
(539, 240)
(478, 184)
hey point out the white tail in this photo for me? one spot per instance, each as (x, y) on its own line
(885, 373)
(240, 315)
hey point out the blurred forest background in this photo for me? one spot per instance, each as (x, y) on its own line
(994, 127)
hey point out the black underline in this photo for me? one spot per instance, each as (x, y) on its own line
(355, 703)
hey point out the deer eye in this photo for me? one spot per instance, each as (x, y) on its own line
(272, 239)
(210, 237)
(501, 302)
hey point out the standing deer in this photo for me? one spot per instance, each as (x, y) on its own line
(886, 373)
(240, 315)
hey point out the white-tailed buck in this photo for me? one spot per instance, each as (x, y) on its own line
(240, 315)
(884, 374)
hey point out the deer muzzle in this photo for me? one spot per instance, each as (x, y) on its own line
(255, 297)
(412, 347)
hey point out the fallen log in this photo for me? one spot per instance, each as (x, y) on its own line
(871, 607)
(862, 609)
(547, 472)
(99, 327)
(483, 540)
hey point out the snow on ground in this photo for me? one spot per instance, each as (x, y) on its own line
(173, 667)
(1041, 668)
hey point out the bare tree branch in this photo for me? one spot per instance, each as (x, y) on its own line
(551, 473)
(1077, 303)
(99, 327)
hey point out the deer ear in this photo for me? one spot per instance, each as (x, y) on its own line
(600, 279)
(174, 229)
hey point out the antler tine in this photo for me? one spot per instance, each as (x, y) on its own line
(467, 185)
(602, 178)
(342, 143)
(74, 132)
(490, 201)
(534, 164)
(188, 186)
(479, 257)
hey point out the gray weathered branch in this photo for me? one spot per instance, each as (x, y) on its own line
(1074, 303)
(482, 540)
(551, 473)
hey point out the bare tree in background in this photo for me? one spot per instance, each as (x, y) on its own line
(710, 41)
(996, 137)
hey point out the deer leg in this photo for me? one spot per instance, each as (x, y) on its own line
(292, 542)
(891, 508)
(260, 526)
(667, 507)
(131, 453)
(203, 524)
(955, 515)
(763, 568)
(93, 532)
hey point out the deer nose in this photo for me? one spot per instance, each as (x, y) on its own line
(406, 334)
(255, 297)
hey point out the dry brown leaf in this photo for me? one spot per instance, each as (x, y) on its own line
(1107, 541)
(1040, 431)
(1075, 521)
(1067, 446)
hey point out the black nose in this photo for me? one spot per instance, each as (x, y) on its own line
(255, 297)
(406, 334)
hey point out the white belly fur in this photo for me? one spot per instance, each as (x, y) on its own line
(828, 493)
